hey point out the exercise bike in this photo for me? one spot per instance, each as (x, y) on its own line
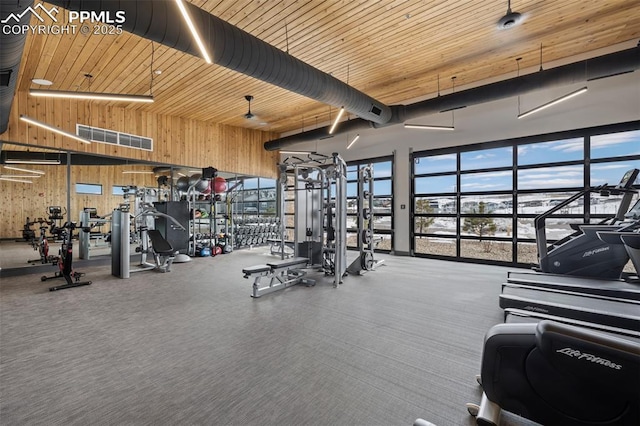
(65, 262)
(28, 234)
(56, 216)
(43, 244)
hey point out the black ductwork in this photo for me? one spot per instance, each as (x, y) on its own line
(591, 69)
(11, 48)
(235, 49)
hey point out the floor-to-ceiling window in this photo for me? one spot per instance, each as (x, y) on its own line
(479, 202)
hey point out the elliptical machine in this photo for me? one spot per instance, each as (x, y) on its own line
(65, 262)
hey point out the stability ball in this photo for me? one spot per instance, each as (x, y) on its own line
(198, 184)
(182, 184)
(219, 185)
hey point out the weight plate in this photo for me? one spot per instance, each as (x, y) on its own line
(366, 260)
(366, 236)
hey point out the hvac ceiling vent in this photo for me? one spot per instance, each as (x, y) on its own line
(95, 134)
(5, 77)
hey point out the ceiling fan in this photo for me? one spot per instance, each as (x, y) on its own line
(249, 115)
(510, 19)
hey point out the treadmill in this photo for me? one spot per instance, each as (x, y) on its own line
(617, 289)
(520, 316)
(617, 315)
(603, 300)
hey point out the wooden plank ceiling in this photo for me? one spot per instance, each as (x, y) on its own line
(394, 51)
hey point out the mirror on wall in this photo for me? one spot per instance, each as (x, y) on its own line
(39, 193)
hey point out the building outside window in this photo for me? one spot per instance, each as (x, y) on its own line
(478, 203)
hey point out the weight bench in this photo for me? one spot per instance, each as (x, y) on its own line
(163, 251)
(281, 274)
(276, 247)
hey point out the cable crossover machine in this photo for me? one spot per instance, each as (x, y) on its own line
(314, 192)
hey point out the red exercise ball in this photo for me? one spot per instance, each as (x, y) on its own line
(219, 185)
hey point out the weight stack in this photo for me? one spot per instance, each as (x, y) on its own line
(179, 210)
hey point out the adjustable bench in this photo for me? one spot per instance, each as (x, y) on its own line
(281, 274)
(276, 247)
(163, 251)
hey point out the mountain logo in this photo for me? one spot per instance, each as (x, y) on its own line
(34, 11)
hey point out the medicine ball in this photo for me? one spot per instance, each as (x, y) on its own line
(219, 184)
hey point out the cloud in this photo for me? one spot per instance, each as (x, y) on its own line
(483, 156)
(599, 167)
(441, 157)
(476, 186)
(569, 145)
(603, 141)
(549, 183)
(551, 177)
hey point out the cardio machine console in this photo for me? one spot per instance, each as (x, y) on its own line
(628, 179)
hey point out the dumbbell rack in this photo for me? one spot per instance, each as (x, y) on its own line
(255, 231)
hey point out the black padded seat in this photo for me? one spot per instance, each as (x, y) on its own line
(287, 263)
(159, 244)
(256, 269)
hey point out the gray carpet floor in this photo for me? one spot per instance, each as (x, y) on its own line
(191, 347)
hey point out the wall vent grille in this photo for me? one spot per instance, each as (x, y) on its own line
(96, 134)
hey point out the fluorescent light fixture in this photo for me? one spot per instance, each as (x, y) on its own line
(553, 102)
(21, 176)
(137, 172)
(15, 180)
(427, 127)
(53, 129)
(39, 172)
(43, 162)
(335, 123)
(42, 81)
(194, 31)
(353, 141)
(296, 152)
(90, 96)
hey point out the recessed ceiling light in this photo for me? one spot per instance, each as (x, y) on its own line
(42, 82)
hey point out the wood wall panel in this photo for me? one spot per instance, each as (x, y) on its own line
(21, 200)
(176, 140)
